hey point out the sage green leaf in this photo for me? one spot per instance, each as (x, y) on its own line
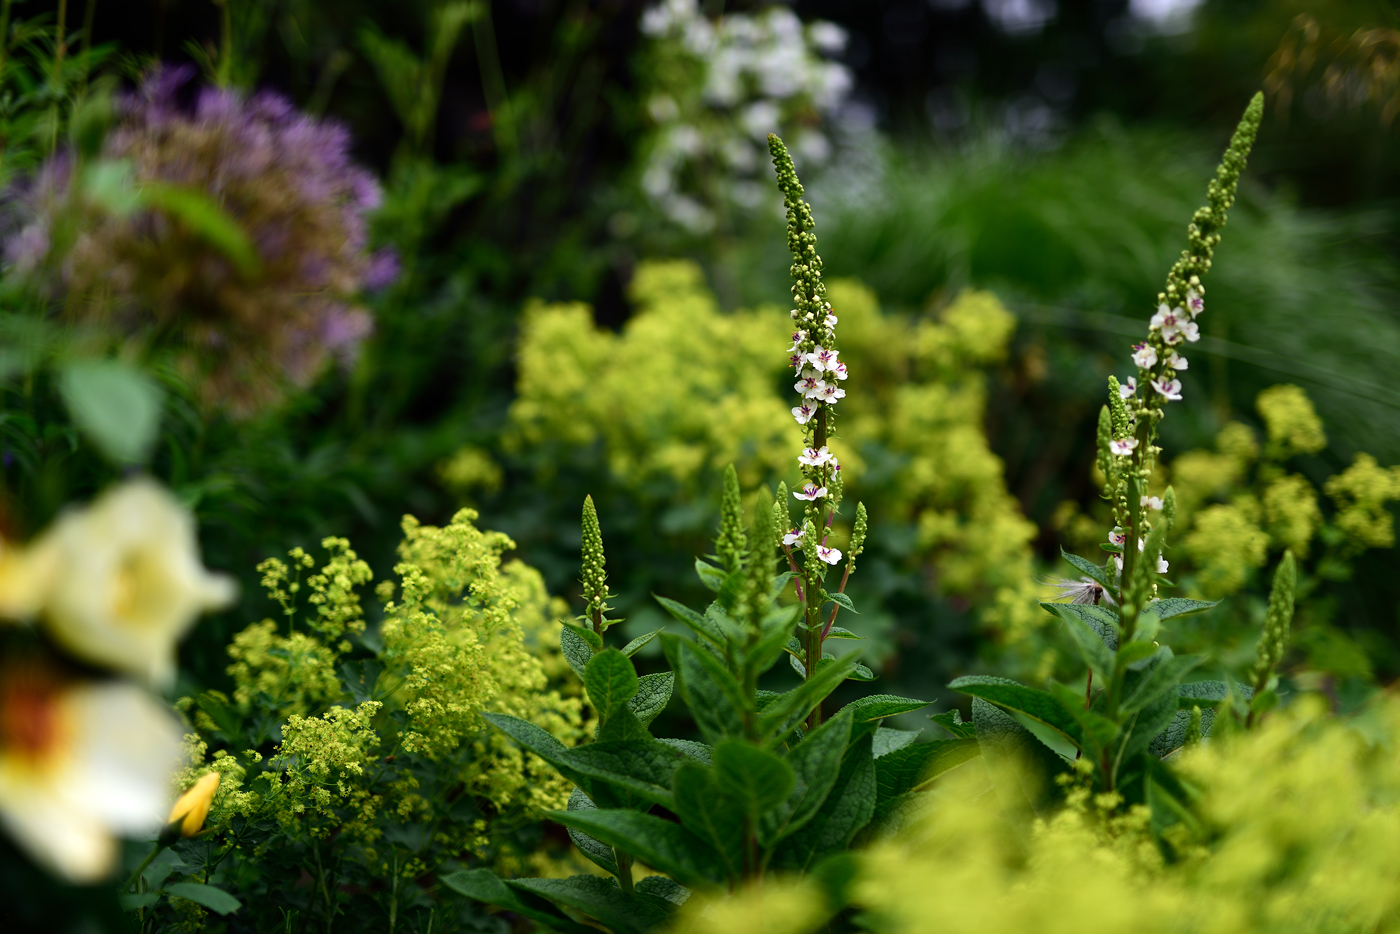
(1173, 736)
(1164, 677)
(1094, 571)
(1131, 653)
(653, 694)
(698, 751)
(711, 576)
(1180, 606)
(659, 843)
(643, 768)
(844, 601)
(712, 815)
(600, 898)
(879, 706)
(912, 767)
(210, 896)
(815, 762)
(694, 621)
(1093, 643)
(860, 672)
(952, 721)
(664, 888)
(576, 650)
(1101, 620)
(755, 777)
(848, 807)
(611, 682)
(115, 405)
(1038, 705)
(484, 886)
(595, 849)
(1207, 695)
(636, 645)
(836, 632)
(715, 699)
(1144, 725)
(1022, 767)
(792, 707)
(888, 740)
(1098, 730)
(761, 656)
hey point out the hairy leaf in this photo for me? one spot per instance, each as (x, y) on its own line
(848, 807)
(1101, 620)
(879, 706)
(712, 815)
(696, 622)
(1094, 571)
(1164, 677)
(1180, 606)
(636, 644)
(792, 707)
(907, 769)
(659, 843)
(600, 898)
(815, 762)
(1207, 695)
(611, 682)
(577, 650)
(596, 850)
(653, 694)
(1038, 705)
(887, 740)
(484, 886)
(1022, 767)
(755, 777)
(1095, 645)
(715, 699)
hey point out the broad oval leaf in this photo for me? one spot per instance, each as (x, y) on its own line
(1038, 705)
(211, 897)
(116, 406)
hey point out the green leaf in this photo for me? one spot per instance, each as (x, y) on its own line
(843, 600)
(225, 718)
(952, 721)
(211, 897)
(1101, 619)
(115, 405)
(697, 623)
(1173, 736)
(848, 807)
(1098, 730)
(1207, 695)
(1180, 606)
(1264, 701)
(698, 751)
(1094, 571)
(860, 673)
(653, 694)
(836, 632)
(661, 887)
(131, 901)
(659, 843)
(792, 707)
(1093, 643)
(1038, 705)
(711, 576)
(207, 220)
(715, 699)
(1133, 652)
(595, 849)
(912, 767)
(755, 777)
(1022, 767)
(636, 644)
(577, 650)
(712, 815)
(611, 682)
(888, 740)
(1142, 727)
(1164, 677)
(484, 886)
(815, 762)
(879, 706)
(601, 899)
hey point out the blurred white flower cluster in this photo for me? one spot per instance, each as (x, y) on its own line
(718, 88)
(86, 757)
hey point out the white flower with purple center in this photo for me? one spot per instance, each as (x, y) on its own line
(793, 538)
(797, 361)
(1151, 502)
(1175, 360)
(1123, 447)
(1118, 537)
(1125, 390)
(1194, 302)
(808, 384)
(810, 492)
(822, 359)
(798, 337)
(1144, 355)
(829, 555)
(829, 393)
(816, 457)
(839, 371)
(803, 413)
(830, 320)
(1169, 389)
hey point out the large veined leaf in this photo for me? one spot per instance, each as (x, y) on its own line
(659, 843)
(637, 644)
(693, 750)
(1022, 767)
(596, 850)
(1038, 705)
(210, 896)
(1097, 730)
(815, 762)
(1095, 572)
(715, 699)
(792, 707)
(1173, 737)
(1164, 677)
(879, 706)
(653, 694)
(1208, 694)
(115, 405)
(1095, 645)
(576, 650)
(1101, 620)
(848, 807)
(1180, 606)
(600, 898)
(610, 680)
(888, 740)
(755, 777)
(712, 815)
(907, 769)
(1143, 726)
(696, 622)
(485, 886)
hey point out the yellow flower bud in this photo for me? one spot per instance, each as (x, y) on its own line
(193, 806)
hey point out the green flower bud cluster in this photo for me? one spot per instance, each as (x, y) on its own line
(594, 577)
(1274, 639)
(731, 543)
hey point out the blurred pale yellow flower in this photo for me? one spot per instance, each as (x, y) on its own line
(122, 580)
(192, 807)
(81, 764)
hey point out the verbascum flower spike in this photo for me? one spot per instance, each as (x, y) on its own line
(731, 542)
(858, 532)
(1273, 642)
(595, 578)
(191, 809)
(1103, 457)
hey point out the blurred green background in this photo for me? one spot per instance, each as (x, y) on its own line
(1049, 152)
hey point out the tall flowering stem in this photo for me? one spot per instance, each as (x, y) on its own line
(1138, 406)
(819, 375)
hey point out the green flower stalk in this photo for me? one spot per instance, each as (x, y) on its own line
(595, 578)
(1273, 641)
(731, 542)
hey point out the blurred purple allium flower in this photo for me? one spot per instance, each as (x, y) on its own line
(288, 181)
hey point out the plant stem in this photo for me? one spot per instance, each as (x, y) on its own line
(624, 870)
(155, 851)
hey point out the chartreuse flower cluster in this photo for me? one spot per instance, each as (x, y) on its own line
(84, 760)
(773, 786)
(358, 757)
